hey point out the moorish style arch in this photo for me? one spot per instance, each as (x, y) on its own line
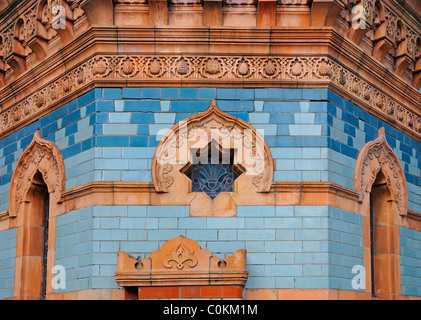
(36, 188)
(380, 182)
(378, 156)
(199, 137)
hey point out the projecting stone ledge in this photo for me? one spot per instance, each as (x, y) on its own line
(181, 262)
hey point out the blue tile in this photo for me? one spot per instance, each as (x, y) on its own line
(26, 141)
(85, 99)
(188, 93)
(131, 93)
(349, 130)
(336, 99)
(349, 118)
(71, 151)
(245, 94)
(142, 118)
(311, 141)
(153, 141)
(91, 108)
(370, 130)
(9, 149)
(348, 151)
(45, 120)
(406, 158)
(311, 94)
(225, 94)
(71, 140)
(284, 141)
(139, 141)
(403, 147)
(282, 106)
(189, 105)
(235, 105)
(71, 129)
(284, 118)
(207, 93)
(8, 140)
(104, 106)
(283, 130)
(142, 105)
(293, 94)
(182, 116)
(170, 93)
(111, 141)
(143, 129)
(74, 116)
(87, 144)
(331, 109)
(9, 158)
(316, 106)
(242, 115)
(150, 93)
(6, 178)
(112, 93)
(268, 94)
(59, 113)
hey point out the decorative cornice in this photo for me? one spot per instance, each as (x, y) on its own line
(189, 70)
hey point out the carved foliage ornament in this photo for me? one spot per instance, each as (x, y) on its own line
(43, 156)
(378, 156)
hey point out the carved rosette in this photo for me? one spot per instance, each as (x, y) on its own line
(378, 156)
(43, 156)
(197, 132)
(181, 261)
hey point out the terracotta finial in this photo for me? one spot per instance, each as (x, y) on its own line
(213, 104)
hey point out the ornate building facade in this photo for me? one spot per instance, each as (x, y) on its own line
(241, 149)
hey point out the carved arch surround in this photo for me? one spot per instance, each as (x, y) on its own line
(45, 157)
(378, 156)
(175, 152)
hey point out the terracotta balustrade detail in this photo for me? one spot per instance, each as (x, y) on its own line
(181, 262)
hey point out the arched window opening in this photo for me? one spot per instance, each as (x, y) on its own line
(381, 238)
(36, 231)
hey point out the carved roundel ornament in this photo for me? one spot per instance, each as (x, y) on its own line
(378, 156)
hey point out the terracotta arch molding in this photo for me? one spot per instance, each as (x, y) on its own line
(378, 156)
(43, 156)
(212, 127)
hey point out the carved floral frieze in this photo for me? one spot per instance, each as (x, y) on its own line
(202, 70)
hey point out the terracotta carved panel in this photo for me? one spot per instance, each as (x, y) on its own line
(43, 156)
(181, 262)
(378, 156)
